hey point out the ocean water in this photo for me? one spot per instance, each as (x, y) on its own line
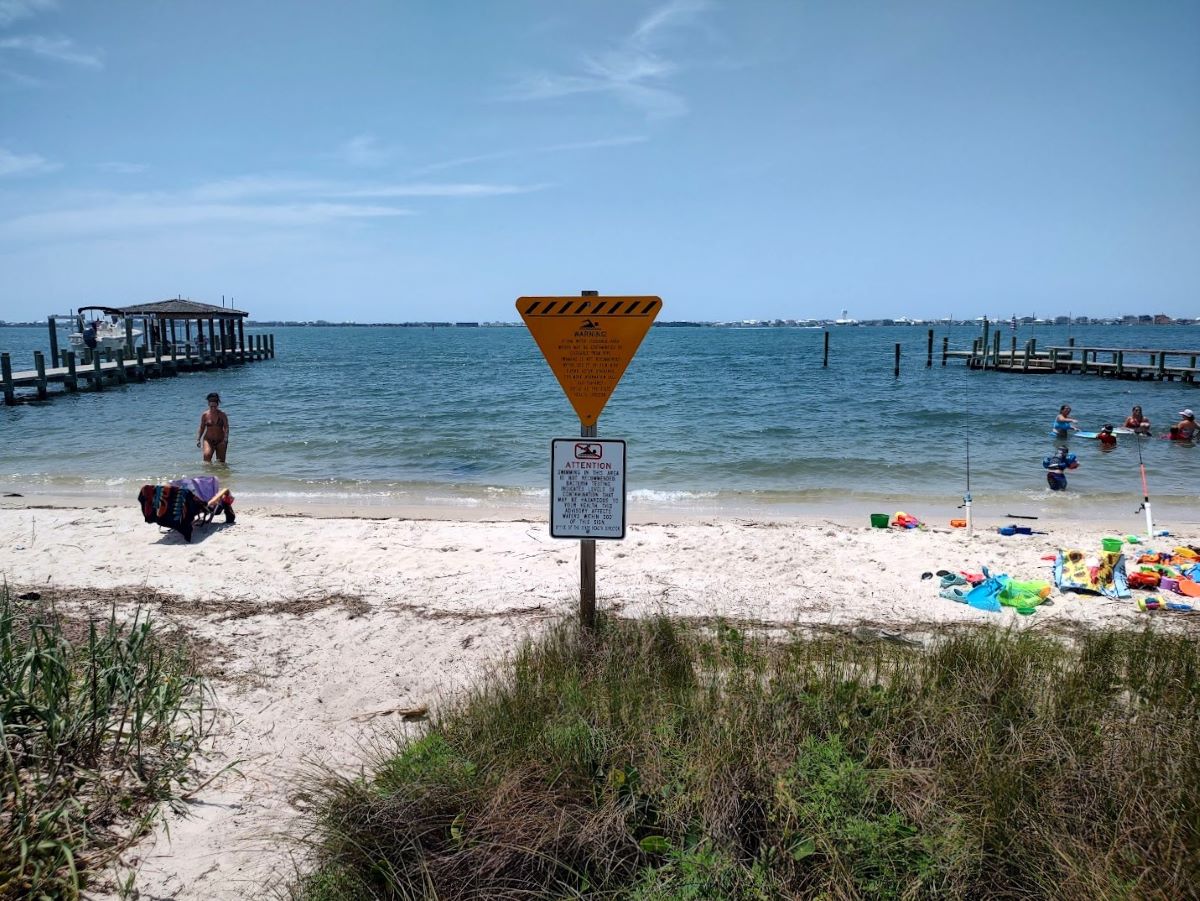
(734, 420)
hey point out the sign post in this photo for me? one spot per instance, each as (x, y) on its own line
(588, 342)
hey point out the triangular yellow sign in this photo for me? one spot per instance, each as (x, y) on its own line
(588, 342)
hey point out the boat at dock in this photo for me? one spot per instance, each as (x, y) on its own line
(105, 331)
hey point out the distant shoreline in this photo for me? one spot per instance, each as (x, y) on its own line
(1126, 321)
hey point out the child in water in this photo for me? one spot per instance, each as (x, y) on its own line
(1106, 437)
(1056, 466)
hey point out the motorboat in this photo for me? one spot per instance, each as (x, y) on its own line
(100, 328)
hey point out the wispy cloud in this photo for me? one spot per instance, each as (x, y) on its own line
(133, 214)
(56, 49)
(620, 141)
(364, 151)
(246, 187)
(119, 168)
(262, 201)
(15, 10)
(636, 70)
(24, 164)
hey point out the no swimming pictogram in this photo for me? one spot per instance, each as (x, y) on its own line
(588, 342)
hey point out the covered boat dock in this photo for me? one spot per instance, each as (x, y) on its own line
(175, 336)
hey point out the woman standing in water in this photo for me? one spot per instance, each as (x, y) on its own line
(214, 430)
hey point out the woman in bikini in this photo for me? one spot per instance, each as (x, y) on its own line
(1138, 422)
(214, 430)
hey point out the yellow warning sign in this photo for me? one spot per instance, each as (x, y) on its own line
(588, 342)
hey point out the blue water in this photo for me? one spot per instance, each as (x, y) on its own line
(723, 418)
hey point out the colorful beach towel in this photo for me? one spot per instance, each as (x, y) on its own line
(170, 506)
(1000, 591)
(1102, 572)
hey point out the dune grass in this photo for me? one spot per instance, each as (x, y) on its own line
(98, 722)
(661, 761)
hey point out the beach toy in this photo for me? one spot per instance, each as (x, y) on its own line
(1163, 534)
(958, 523)
(1166, 583)
(1189, 588)
(1148, 604)
(1112, 545)
(1023, 530)
(879, 520)
(1132, 539)
(1007, 530)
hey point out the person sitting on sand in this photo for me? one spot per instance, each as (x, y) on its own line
(214, 430)
(1185, 429)
(1063, 423)
(1138, 422)
(1106, 436)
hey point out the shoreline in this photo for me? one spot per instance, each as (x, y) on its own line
(1113, 513)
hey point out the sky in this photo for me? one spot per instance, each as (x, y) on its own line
(383, 160)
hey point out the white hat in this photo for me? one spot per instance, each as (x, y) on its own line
(1187, 414)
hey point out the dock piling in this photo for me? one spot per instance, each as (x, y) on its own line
(53, 341)
(929, 351)
(39, 363)
(896, 369)
(945, 348)
(824, 364)
(97, 372)
(71, 381)
(10, 396)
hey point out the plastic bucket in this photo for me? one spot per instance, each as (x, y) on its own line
(879, 520)
(1111, 544)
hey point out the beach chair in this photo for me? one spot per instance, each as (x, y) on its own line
(185, 503)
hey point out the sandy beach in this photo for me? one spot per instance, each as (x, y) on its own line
(319, 632)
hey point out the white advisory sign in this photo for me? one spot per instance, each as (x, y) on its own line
(587, 488)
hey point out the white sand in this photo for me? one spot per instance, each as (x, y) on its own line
(445, 597)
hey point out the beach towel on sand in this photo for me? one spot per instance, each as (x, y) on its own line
(1102, 572)
(170, 506)
(1000, 591)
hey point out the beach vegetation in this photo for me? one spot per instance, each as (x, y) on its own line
(656, 760)
(98, 723)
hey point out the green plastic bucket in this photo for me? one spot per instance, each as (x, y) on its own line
(1111, 544)
(879, 520)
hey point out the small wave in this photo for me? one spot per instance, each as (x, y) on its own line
(651, 495)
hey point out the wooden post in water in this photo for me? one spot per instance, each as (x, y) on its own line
(1012, 354)
(995, 348)
(1162, 365)
(1120, 364)
(71, 382)
(1070, 353)
(1054, 359)
(929, 351)
(39, 363)
(140, 369)
(241, 330)
(129, 338)
(212, 339)
(1025, 362)
(896, 368)
(122, 375)
(825, 364)
(53, 341)
(10, 396)
(271, 338)
(986, 343)
(945, 348)
(97, 372)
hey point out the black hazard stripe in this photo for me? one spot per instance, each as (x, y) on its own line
(592, 306)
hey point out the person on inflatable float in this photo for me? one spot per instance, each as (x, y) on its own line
(1056, 466)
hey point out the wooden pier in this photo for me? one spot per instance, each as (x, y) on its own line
(159, 353)
(1133, 363)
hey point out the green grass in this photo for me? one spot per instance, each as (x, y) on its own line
(660, 761)
(97, 724)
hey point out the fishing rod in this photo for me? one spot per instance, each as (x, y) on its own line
(1145, 491)
(967, 496)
